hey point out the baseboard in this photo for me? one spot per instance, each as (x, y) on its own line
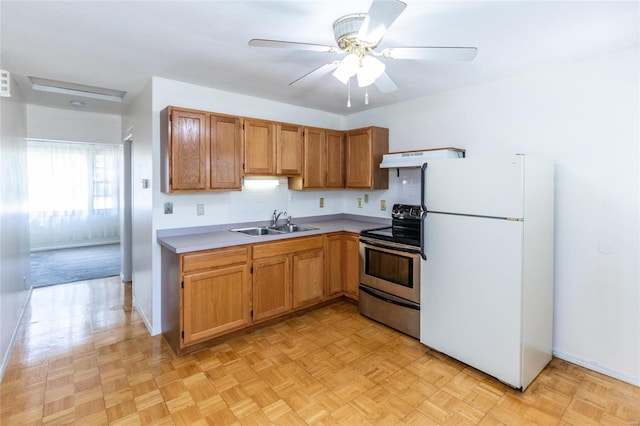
(598, 368)
(12, 342)
(146, 321)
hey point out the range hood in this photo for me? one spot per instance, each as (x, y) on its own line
(398, 160)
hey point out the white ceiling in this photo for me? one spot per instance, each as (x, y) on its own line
(120, 45)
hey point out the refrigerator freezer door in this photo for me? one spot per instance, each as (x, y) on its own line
(491, 186)
(471, 292)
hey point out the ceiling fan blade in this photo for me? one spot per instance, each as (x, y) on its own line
(385, 84)
(431, 53)
(381, 15)
(258, 42)
(318, 72)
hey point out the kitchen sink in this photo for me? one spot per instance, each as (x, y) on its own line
(257, 231)
(294, 228)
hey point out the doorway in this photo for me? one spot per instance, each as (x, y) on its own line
(74, 210)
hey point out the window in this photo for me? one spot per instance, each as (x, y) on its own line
(73, 193)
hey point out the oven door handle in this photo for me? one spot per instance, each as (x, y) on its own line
(391, 300)
(390, 246)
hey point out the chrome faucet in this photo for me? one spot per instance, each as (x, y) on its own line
(275, 217)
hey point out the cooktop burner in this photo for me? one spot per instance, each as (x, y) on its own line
(405, 226)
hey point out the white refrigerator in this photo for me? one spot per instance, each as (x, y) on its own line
(487, 267)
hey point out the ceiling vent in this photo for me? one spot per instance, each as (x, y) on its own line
(73, 89)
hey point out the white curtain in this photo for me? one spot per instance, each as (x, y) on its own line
(73, 194)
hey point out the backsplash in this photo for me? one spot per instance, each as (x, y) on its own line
(251, 205)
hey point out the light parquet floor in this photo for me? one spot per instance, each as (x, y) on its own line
(83, 356)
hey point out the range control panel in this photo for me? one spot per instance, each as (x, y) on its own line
(406, 212)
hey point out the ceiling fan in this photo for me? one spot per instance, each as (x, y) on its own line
(358, 35)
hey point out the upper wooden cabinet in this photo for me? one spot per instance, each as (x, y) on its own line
(272, 148)
(323, 165)
(206, 151)
(288, 150)
(364, 150)
(226, 152)
(201, 151)
(335, 159)
(259, 147)
(186, 142)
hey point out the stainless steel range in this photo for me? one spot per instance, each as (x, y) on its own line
(390, 271)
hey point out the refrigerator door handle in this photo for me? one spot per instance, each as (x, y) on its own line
(423, 201)
(423, 217)
(423, 187)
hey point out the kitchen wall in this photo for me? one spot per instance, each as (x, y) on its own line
(137, 124)
(15, 275)
(142, 120)
(72, 125)
(584, 116)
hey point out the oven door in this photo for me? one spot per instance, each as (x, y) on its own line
(389, 267)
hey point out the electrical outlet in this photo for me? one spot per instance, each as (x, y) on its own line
(359, 203)
(321, 202)
(366, 198)
(200, 209)
(383, 205)
(168, 208)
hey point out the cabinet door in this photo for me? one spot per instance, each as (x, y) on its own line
(308, 277)
(288, 150)
(188, 151)
(226, 152)
(259, 147)
(271, 287)
(334, 264)
(359, 164)
(351, 263)
(363, 152)
(335, 160)
(314, 158)
(215, 302)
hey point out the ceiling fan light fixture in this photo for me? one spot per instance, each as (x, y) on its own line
(348, 68)
(369, 71)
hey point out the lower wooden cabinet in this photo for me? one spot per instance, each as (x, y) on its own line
(343, 264)
(271, 287)
(287, 274)
(334, 264)
(205, 294)
(209, 293)
(308, 278)
(215, 302)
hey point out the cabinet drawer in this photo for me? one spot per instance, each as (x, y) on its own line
(214, 258)
(284, 247)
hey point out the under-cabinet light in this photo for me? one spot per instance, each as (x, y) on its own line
(261, 183)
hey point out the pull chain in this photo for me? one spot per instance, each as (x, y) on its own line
(349, 93)
(366, 95)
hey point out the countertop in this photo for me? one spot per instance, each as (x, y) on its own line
(219, 238)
